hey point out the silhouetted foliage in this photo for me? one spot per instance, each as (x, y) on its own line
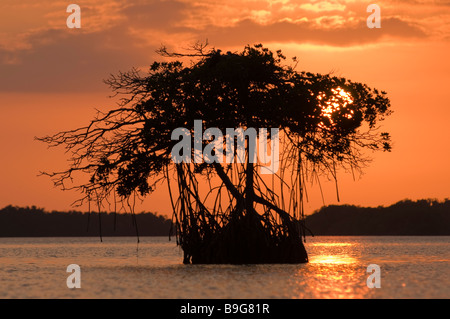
(422, 217)
(325, 122)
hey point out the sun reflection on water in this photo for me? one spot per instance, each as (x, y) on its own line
(332, 259)
(338, 270)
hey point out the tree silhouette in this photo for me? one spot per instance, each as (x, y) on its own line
(236, 215)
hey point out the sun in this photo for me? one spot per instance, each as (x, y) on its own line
(339, 100)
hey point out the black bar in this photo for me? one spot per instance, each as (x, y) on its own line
(227, 308)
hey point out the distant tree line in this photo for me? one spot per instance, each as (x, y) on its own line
(425, 217)
(36, 222)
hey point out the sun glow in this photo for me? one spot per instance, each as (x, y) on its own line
(335, 103)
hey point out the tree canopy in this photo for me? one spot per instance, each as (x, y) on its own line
(324, 121)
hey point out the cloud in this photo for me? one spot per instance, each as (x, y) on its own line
(61, 61)
(312, 32)
(123, 34)
(156, 14)
(323, 6)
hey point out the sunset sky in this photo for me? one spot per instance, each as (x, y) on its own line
(51, 79)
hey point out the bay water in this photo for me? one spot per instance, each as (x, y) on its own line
(119, 267)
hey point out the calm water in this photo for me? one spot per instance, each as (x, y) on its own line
(411, 267)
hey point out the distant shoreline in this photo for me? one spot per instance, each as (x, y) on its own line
(36, 222)
(405, 218)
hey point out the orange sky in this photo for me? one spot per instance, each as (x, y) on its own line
(51, 79)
